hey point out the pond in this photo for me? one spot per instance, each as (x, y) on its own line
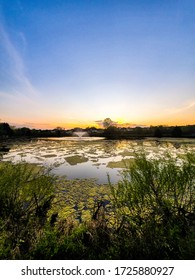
(92, 157)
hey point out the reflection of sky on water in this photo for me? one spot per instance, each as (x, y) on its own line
(53, 153)
(87, 170)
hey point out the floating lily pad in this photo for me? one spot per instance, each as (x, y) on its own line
(96, 164)
(120, 164)
(73, 160)
(49, 155)
(126, 153)
(79, 198)
(39, 158)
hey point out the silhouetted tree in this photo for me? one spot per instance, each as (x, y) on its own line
(25, 131)
(112, 132)
(138, 131)
(107, 122)
(157, 132)
(5, 130)
(177, 132)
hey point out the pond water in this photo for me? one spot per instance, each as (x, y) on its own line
(92, 157)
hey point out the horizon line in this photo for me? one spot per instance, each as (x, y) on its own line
(80, 126)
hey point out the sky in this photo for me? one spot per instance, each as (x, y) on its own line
(73, 63)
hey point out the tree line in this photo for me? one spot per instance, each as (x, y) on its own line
(109, 131)
(113, 132)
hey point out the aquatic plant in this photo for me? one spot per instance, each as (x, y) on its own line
(73, 160)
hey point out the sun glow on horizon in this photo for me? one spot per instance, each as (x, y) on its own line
(120, 122)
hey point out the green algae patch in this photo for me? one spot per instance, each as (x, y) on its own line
(124, 163)
(39, 158)
(78, 198)
(49, 155)
(126, 153)
(73, 160)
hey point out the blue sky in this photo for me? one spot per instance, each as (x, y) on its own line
(70, 63)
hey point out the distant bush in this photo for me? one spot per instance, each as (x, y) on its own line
(112, 132)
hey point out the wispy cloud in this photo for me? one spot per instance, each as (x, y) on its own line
(16, 65)
(17, 94)
(32, 125)
(190, 106)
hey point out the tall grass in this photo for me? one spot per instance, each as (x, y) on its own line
(26, 193)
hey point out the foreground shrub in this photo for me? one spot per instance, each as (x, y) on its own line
(154, 206)
(26, 193)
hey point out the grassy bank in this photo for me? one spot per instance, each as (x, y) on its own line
(148, 215)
